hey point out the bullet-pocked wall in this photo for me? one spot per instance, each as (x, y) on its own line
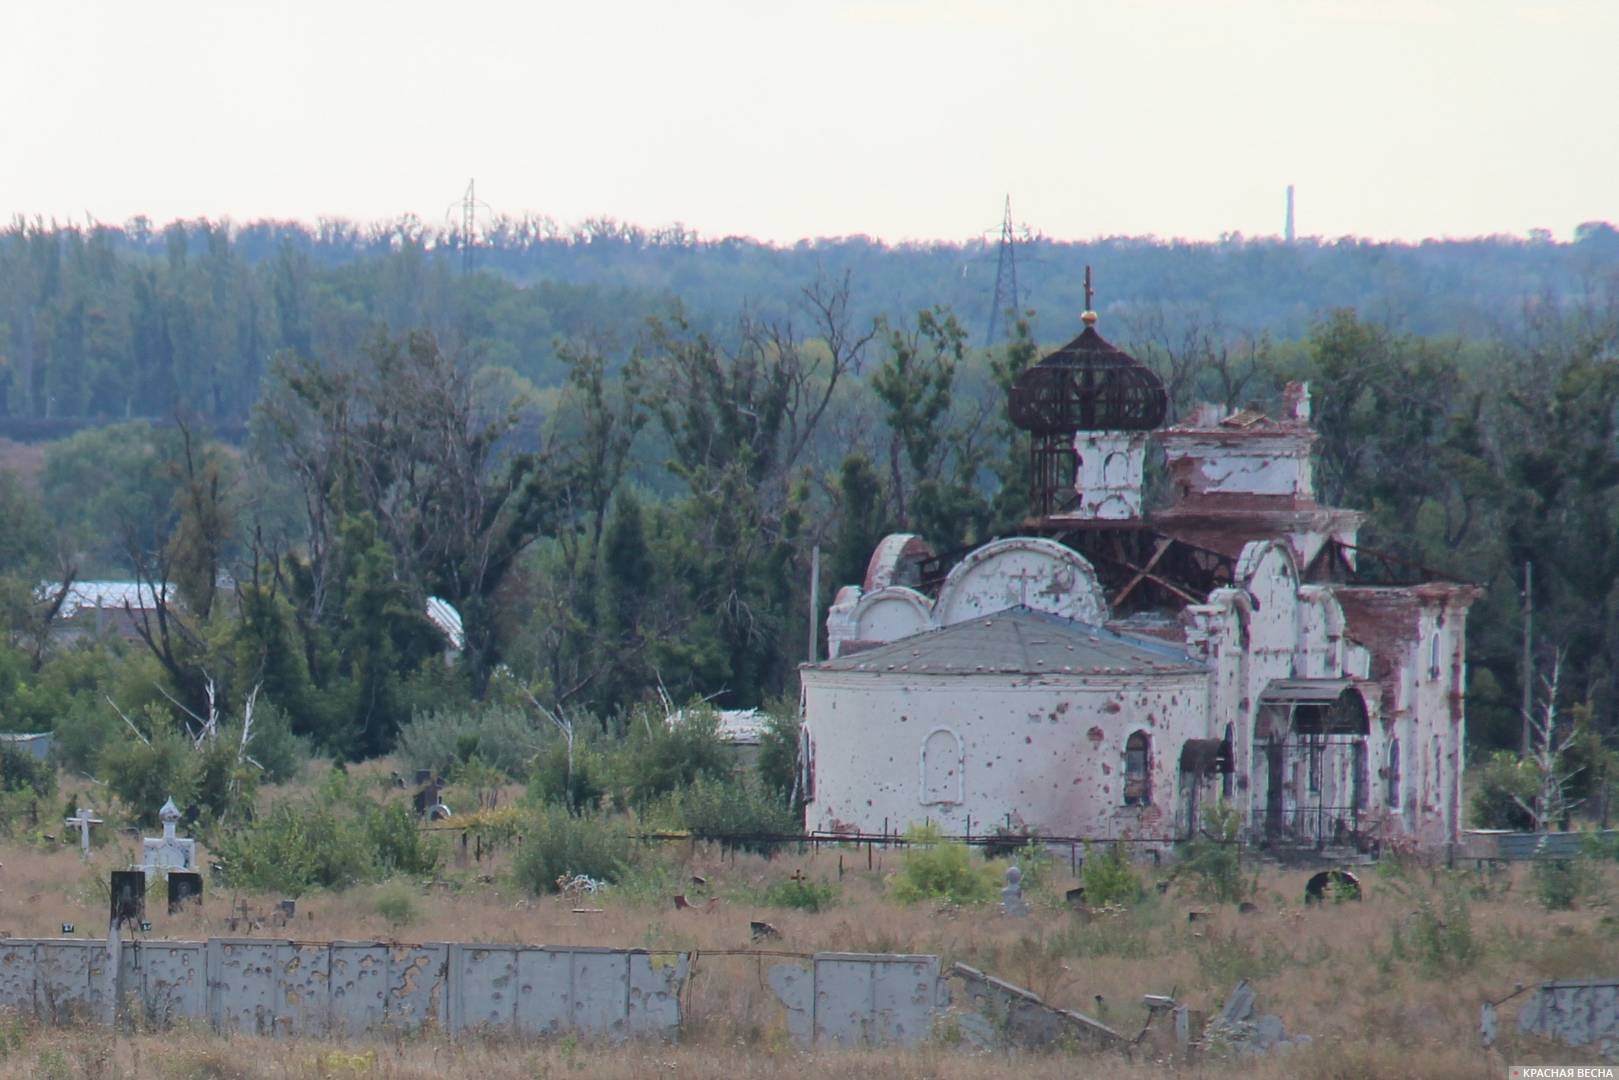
(270, 987)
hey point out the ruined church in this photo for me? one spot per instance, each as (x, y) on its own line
(1121, 668)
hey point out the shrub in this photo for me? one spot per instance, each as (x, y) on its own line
(1498, 784)
(662, 754)
(1214, 862)
(298, 847)
(1560, 884)
(803, 894)
(396, 901)
(558, 845)
(938, 869)
(273, 747)
(397, 845)
(146, 774)
(727, 808)
(222, 781)
(777, 765)
(21, 771)
(1109, 878)
(81, 734)
(579, 788)
(502, 735)
(1439, 931)
(333, 841)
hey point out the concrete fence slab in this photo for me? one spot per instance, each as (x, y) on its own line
(168, 978)
(1577, 1012)
(267, 986)
(277, 987)
(860, 999)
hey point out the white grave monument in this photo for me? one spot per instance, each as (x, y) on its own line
(168, 852)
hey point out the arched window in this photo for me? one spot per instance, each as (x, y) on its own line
(806, 763)
(1138, 770)
(1228, 764)
(1394, 774)
(941, 767)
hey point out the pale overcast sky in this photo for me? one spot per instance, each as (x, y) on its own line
(903, 119)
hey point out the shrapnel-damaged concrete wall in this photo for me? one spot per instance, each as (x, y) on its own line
(1578, 1012)
(271, 987)
(860, 999)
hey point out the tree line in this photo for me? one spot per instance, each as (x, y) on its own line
(643, 529)
(101, 322)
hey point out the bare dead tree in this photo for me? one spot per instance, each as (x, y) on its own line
(1549, 742)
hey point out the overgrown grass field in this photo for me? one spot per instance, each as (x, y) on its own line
(1389, 985)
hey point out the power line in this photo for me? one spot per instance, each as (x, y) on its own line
(1006, 290)
(468, 234)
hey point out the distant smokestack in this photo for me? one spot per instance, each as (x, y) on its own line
(1289, 231)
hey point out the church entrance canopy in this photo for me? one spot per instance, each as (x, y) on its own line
(1320, 707)
(1312, 734)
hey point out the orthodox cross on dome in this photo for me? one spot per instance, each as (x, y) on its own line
(1090, 293)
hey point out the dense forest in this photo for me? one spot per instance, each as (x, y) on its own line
(105, 323)
(614, 451)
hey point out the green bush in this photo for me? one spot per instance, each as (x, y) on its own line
(502, 735)
(726, 808)
(938, 869)
(1560, 884)
(1109, 878)
(397, 845)
(1213, 863)
(558, 845)
(337, 839)
(805, 895)
(397, 902)
(1497, 785)
(295, 848)
(144, 775)
(777, 765)
(661, 755)
(81, 734)
(273, 747)
(21, 771)
(580, 789)
(1439, 931)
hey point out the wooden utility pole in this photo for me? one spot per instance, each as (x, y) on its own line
(815, 604)
(1528, 655)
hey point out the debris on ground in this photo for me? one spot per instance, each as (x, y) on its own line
(995, 1012)
(1237, 1027)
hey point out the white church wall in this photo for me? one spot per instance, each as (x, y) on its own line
(1041, 751)
(1268, 651)
(1108, 474)
(1032, 571)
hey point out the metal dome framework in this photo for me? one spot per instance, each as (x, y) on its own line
(1087, 385)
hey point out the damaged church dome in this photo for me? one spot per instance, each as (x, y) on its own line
(1088, 385)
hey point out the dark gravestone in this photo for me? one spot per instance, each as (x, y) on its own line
(427, 798)
(128, 898)
(185, 888)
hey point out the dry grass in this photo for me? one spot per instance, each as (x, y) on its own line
(1333, 971)
(96, 1055)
